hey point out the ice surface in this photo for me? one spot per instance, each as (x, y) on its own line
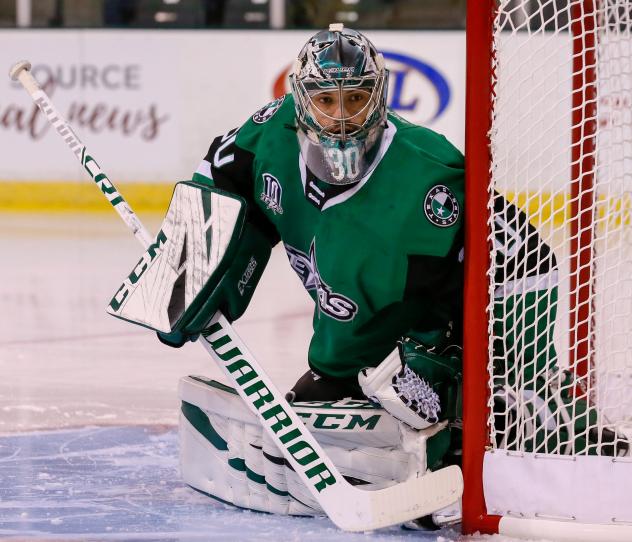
(88, 403)
(122, 483)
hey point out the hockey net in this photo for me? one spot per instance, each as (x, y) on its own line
(550, 129)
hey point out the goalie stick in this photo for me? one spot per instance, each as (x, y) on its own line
(350, 508)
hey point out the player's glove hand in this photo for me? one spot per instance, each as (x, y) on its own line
(415, 384)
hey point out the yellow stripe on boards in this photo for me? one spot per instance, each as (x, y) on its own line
(542, 207)
(63, 196)
(547, 208)
(33, 196)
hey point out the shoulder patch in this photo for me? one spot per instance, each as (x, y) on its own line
(272, 193)
(267, 111)
(441, 206)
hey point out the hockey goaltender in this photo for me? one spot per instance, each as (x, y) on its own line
(369, 208)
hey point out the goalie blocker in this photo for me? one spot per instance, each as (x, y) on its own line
(206, 257)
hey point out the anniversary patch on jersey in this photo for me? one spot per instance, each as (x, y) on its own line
(337, 306)
(272, 193)
(265, 113)
(441, 206)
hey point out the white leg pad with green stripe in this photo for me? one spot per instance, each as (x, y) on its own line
(226, 454)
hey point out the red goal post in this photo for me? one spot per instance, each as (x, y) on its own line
(477, 261)
(549, 130)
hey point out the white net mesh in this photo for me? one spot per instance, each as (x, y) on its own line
(561, 220)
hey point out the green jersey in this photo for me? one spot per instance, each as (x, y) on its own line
(379, 257)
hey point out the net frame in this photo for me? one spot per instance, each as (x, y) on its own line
(480, 95)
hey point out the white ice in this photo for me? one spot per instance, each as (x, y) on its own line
(88, 403)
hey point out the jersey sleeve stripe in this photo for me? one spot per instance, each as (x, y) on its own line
(204, 169)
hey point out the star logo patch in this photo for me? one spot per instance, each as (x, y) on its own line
(441, 206)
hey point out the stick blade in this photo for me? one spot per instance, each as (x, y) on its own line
(399, 503)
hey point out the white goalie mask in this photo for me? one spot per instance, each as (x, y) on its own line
(339, 86)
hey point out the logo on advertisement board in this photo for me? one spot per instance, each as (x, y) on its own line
(417, 90)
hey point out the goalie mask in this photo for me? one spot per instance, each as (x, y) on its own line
(339, 86)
